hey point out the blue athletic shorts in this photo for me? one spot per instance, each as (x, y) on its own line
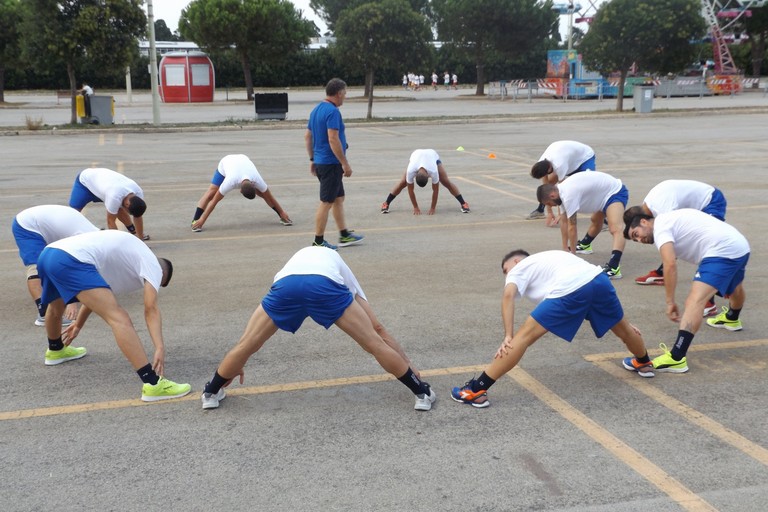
(294, 298)
(622, 196)
(724, 274)
(81, 196)
(717, 205)
(62, 276)
(218, 178)
(596, 301)
(589, 165)
(331, 184)
(30, 244)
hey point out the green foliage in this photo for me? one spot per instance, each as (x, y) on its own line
(654, 34)
(388, 33)
(163, 33)
(330, 10)
(10, 16)
(267, 30)
(757, 28)
(482, 28)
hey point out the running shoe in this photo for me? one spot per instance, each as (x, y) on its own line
(325, 244)
(195, 229)
(211, 400)
(721, 321)
(164, 390)
(350, 239)
(642, 369)
(613, 273)
(710, 309)
(285, 221)
(465, 395)
(665, 363)
(651, 278)
(465, 208)
(583, 248)
(424, 401)
(535, 214)
(54, 357)
(384, 207)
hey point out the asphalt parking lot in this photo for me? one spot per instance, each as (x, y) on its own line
(318, 425)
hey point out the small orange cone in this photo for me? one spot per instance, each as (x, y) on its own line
(492, 155)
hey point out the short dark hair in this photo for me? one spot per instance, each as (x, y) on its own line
(422, 178)
(509, 256)
(542, 193)
(334, 86)
(634, 222)
(248, 189)
(541, 168)
(167, 267)
(630, 212)
(136, 206)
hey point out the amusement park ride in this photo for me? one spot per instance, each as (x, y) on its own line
(720, 16)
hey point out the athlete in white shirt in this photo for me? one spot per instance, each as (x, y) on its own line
(590, 192)
(425, 165)
(36, 227)
(567, 291)
(92, 268)
(316, 283)
(235, 172)
(721, 254)
(561, 159)
(122, 197)
(671, 195)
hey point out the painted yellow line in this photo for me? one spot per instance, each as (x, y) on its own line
(726, 345)
(684, 497)
(248, 390)
(718, 430)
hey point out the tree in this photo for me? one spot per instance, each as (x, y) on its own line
(379, 34)
(507, 27)
(10, 15)
(162, 32)
(757, 29)
(330, 10)
(66, 32)
(654, 34)
(269, 30)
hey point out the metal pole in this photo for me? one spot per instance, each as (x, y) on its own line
(570, 26)
(128, 94)
(153, 65)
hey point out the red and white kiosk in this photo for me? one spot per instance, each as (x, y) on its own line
(186, 77)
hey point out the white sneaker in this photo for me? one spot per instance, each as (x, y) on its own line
(40, 321)
(424, 402)
(211, 401)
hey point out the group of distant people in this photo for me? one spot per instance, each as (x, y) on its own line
(71, 261)
(415, 82)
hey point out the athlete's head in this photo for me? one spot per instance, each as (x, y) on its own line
(136, 206)
(248, 189)
(541, 168)
(422, 177)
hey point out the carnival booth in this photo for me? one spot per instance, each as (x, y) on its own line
(186, 77)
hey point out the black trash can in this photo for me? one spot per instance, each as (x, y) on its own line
(272, 105)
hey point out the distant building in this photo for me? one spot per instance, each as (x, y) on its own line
(164, 47)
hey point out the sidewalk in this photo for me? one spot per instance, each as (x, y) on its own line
(389, 103)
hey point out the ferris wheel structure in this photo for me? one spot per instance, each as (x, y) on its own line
(722, 15)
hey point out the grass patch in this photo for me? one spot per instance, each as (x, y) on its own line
(33, 123)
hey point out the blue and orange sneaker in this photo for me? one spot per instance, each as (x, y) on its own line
(642, 369)
(465, 395)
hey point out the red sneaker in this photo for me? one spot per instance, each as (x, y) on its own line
(651, 278)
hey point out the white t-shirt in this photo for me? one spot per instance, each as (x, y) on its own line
(236, 169)
(697, 235)
(54, 222)
(550, 274)
(109, 186)
(123, 260)
(587, 192)
(426, 158)
(321, 261)
(566, 156)
(670, 195)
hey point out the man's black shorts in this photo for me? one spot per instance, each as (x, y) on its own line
(331, 186)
